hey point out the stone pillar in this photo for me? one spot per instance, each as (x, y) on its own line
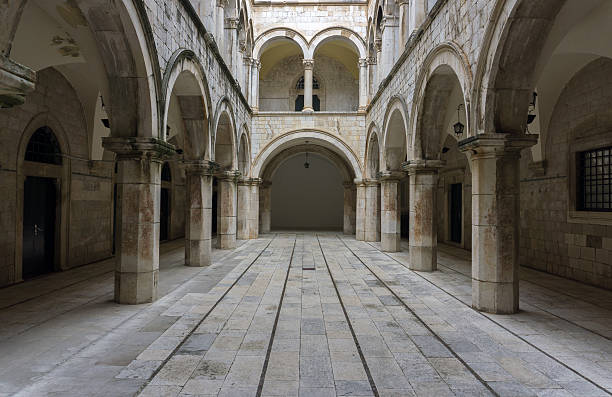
(372, 211)
(495, 219)
(404, 29)
(349, 208)
(220, 25)
(253, 217)
(308, 66)
(246, 88)
(416, 15)
(199, 175)
(363, 84)
(389, 46)
(372, 74)
(360, 209)
(230, 44)
(226, 210)
(390, 215)
(423, 224)
(244, 207)
(379, 69)
(265, 207)
(255, 66)
(139, 163)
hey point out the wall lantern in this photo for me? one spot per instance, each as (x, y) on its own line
(306, 164)
(531, 116)
(459, 128)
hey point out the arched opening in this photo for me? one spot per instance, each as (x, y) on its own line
(224, 183)
(164, 202)
(42, 169)
(316, 94)
(372, 195)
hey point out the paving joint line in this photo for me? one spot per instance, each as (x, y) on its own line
(264, 370)
(446, 345)
(348, 321)
(165, 361)
(490, 319)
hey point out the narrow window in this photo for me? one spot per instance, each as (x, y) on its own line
(595, 179)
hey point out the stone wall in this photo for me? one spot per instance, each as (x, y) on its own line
(554, 236)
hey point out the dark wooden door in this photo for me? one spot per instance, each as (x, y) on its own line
(455, 207)
(164, 215)
(39, 206)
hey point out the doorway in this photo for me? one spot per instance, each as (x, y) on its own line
(455, 209)
(39, 214)
(164, 215)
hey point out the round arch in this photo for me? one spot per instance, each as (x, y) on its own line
(225, 135)
(445, 62)
(299, 137)
(272, 35)
(337, 33)
(244, 150)
(395, 136)
(372, 152)
(194, 101)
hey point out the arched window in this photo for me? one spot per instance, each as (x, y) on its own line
(43, 147)
(300, 83)
(299, 100)
(166, 175)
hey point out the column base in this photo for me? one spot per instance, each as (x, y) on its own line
(198, 253)
(136, 288)
(308, 110)
(495, 298)
(226, 241)
(390, 242)
(423, 259)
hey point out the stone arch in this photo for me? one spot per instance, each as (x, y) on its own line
(395, 136)
(272, 35)
(337, 33)
(193, 95)
(244, 151)
(224, 143)
(299, 137)
(505, 77)
(443, 67)
(372, 153)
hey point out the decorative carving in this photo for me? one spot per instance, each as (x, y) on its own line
(308, 63)
(363, 62)
(269, 131)
(231, 23)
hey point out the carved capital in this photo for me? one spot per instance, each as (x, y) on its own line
(138, 147)
(363, 62)
(16, 81)
(231, 23)
(200, 167)
(308, 64)
(378, 44)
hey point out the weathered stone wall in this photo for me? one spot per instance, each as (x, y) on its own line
(338, 91)
(310, 19)
(555, 238)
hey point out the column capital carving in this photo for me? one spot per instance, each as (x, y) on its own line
(363, 62)
(248, 61)
(222, 3)
(371, 60)
(422, 165)
(392, 176)
(371, 182)
(232, 175)
(249, 181)
(308, 63)
(139, 147)
(16, 81)
(231, 23)
(256, 63)
(497, 144)
(200, 167)
(378, 44)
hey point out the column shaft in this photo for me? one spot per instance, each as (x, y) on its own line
(390, 236)
(495, 219)
(256, 65)
(265, 207)
(308, 66)
(199, 214)
(360, 219)
(349, 208)
(389, 46)
(423, 225)
(363, 84)
(138, 207)
(220, 26)
(226, 211)
(253, 218)
(372, 221)
(244, 206)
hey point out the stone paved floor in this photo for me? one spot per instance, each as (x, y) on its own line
(308, 314)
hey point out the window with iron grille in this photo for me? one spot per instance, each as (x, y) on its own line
(300, 84)
(43, 147)
(595, 180)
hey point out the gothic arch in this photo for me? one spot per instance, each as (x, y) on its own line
(194, 100)
(299, 137)
(275, 34)
(442, 66)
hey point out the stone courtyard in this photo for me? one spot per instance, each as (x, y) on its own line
(308, 314)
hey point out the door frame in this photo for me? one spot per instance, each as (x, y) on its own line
(448, 178)
(61, 175)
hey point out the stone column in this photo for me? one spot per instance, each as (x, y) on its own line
(349, 208)
(389, 46)
(360, 210)
(416, 15)
(230, 44)
(244, 207)
(423, 209)
(246, 88)
(372, 75)
(255, 66)
(390, 215)
(220, 25)
(372, 211)
(363, 84)
(199, 175)
(495, 219)
(379, 69)
(308, 66)
(404, 29)
(253, 217)
(139, 163)
(226, 210)
(265, 207)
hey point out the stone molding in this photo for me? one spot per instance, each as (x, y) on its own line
(16, 81)
(391, 175)
(491, 144)
(308, 64)
(232, 175)
(139, 147)
(423, 165)
(200, 167)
